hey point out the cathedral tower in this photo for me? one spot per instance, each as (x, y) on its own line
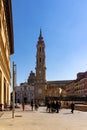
(40, 69)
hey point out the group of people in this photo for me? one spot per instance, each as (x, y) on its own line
(34, 105)
(53, 106)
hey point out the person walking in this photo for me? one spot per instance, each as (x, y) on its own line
(57, 107)
(48, 106)
(36, 105)
(32, 105)
(23, 106)
(72, 107)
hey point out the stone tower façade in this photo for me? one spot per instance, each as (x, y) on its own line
(40, 69)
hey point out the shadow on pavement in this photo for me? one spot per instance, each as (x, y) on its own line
(66, 113)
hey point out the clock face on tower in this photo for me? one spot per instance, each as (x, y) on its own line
(39, 91)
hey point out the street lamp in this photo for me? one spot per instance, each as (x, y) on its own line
(13, 85)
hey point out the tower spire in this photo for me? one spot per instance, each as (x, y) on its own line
(40, 32)
(40, 36)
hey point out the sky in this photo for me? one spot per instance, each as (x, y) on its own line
(64, 29)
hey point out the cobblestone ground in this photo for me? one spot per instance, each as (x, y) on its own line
(41, 120)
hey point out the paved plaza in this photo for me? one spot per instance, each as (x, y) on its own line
(41, 120)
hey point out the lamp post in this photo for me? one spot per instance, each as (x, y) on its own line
(13, 85)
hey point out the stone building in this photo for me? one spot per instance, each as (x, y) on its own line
(32, 78)
(6, 49)
(55, 88)
(77, 89)
(24, 93)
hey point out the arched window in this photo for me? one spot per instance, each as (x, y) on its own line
(40, 49)
(40, 59)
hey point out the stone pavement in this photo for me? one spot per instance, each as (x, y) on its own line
(40, 120)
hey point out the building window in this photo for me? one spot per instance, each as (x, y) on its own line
(40, 59)
(40, 49)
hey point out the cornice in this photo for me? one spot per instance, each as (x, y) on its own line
(9, 21)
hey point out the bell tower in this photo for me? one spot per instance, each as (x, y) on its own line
(40, 69)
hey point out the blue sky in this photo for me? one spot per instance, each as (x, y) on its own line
(64, 29)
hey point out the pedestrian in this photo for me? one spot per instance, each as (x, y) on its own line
(53, 106)
(5, 106)
(23, 106)
(57, 107)
(72, 107)
(11, 106)
(32, 105)
(48, 106)
(36, 105)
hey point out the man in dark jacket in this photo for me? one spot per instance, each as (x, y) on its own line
(72, 107)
